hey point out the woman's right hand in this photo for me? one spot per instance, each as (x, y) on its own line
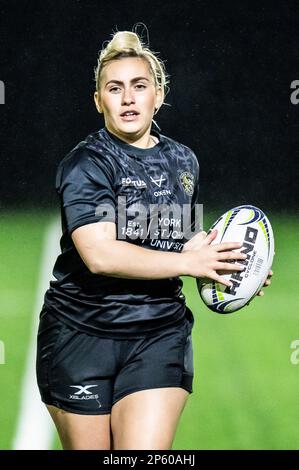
(202, 259)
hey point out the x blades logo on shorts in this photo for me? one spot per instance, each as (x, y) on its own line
(83, 389)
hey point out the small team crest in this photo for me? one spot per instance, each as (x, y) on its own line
(187, 181)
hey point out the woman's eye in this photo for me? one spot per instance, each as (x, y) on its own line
(114, 89)
(140, 86)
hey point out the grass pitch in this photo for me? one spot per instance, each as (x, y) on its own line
(245, 388)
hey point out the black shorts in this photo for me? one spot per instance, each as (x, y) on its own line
(87, 374)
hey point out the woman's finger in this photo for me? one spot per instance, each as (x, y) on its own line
(227, 246)
(230, 267)
(231, 255)
(213, 275)
(210, 237)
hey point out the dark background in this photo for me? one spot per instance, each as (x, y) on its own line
(231, 64)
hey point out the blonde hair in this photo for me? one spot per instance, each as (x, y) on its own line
(128, 44)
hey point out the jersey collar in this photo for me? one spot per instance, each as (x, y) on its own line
(136, 151)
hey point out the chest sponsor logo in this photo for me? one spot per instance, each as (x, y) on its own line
(135, 182)
(162, 192)
(158, 181)
(187, 182)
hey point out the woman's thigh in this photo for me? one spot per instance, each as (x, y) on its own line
(147, 419)
(81, 432)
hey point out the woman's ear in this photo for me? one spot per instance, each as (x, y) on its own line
(159, 99)
(97, 102)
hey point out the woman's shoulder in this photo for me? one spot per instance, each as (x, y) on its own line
(88, 157)
(91, 148)
(180, 147)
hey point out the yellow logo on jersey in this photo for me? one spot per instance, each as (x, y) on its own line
(187, 182)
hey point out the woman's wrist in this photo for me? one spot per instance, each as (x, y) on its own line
(185, 263)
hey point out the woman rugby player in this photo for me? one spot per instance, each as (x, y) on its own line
(114, 360)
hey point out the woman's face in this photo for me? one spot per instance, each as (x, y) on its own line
(128, 98)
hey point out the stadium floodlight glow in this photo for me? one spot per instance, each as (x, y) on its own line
(2, 92)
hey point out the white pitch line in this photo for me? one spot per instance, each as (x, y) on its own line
(34, 428)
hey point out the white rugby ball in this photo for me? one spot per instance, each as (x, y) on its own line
(249, 226)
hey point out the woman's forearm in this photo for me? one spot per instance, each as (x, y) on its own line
(122, 259)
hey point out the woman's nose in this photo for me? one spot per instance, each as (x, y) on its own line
(128, 97)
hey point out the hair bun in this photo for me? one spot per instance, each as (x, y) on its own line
(124, 41)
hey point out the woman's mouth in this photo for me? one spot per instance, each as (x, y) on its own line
(129, 115)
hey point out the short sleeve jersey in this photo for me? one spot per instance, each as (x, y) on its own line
(151, 195)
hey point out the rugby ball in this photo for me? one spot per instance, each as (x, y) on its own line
(249, 226)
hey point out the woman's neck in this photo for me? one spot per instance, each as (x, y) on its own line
(146, 141)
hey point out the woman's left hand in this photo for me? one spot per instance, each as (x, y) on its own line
(196, 242)
(266, 284)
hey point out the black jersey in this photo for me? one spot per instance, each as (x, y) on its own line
(103, 178)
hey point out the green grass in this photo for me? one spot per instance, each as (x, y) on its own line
(245, 389)
(20, 248)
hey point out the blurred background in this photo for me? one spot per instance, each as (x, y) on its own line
(231, 65)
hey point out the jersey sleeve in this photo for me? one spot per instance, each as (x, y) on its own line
(196, 209)
(85, 184)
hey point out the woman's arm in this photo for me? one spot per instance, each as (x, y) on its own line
(103, 254)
